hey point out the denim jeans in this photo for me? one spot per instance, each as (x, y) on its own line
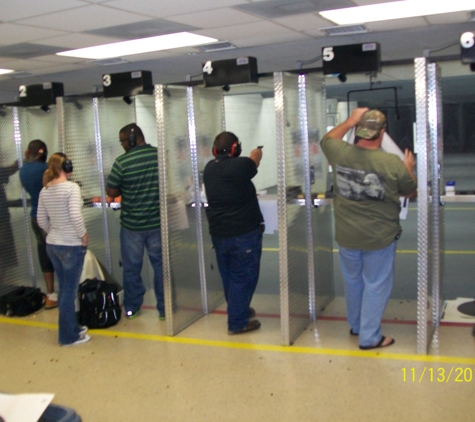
(239, 261)
(132, 246)
(68, 262)
(368, 279)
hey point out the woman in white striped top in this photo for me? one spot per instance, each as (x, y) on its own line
(59, 214)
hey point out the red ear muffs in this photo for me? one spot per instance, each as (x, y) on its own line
(236, 149)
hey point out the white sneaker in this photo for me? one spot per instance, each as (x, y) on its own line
(83, 338)
(82, 330)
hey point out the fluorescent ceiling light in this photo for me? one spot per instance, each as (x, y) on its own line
(143, 45)
(396, 10)
(5, 71)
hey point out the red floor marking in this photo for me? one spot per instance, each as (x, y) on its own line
(337, 318)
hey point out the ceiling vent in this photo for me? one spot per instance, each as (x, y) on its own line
(345, 30)
(219, 46)
(109, 62)
(20, 74)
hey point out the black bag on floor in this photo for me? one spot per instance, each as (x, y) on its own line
(99, 305)
(22, 301)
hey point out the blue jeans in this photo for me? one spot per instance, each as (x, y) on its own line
(68, 262)
(239, 261)
(132, 246)
(368, 279)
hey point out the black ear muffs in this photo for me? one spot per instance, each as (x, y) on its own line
(66, 164)
(132, 138)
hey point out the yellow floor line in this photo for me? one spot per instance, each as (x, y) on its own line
(399, 251)
(259, 347)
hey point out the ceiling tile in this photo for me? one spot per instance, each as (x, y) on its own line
(171, 8)
(20, 9)
(27, 50)
(303, 22)
(219, 18)
(273, 9)
(248, 30)
(84, 19)
(78, 40)
(143, 29)
(449, 18)
(14, 34)
(271, 39)
(396, 24)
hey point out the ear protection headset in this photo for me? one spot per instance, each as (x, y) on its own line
(66, 163)
(132, 138)
(235, 150)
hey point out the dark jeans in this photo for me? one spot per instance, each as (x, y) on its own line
(132, 247)
(239, 261)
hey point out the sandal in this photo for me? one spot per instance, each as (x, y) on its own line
(380, 344)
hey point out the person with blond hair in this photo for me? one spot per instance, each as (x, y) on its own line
(59, 215)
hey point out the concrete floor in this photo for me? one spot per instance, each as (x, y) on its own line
(134, 372)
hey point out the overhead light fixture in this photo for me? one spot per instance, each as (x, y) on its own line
(5, 71)
(140, 46)
(395, 10)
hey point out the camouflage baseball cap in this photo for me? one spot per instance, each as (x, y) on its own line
(370, 124)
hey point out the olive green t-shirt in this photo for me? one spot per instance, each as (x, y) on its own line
(367, 188)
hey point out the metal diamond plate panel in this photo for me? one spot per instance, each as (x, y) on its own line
(436, 210)
(321, 218)
(15, 259)
(105, 117)
(422, 144)
(293, 255)
(182, 271)
(208, 109)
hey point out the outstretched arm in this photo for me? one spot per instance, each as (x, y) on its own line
(256, 156)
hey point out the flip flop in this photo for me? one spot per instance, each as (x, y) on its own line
(380, 344)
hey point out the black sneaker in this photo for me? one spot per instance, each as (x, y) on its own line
(251, 326)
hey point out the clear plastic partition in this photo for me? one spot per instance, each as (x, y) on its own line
(16, 258)
(208, 113)
(293, 246)
(182, 280)
(112, 114)
(250, 114)
(84, 151)
(320, 180)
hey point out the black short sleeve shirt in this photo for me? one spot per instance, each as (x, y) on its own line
(233, 209)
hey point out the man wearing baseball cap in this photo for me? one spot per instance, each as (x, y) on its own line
(367, 185)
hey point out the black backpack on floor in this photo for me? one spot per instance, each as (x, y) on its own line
(22, 301)
(98, 304)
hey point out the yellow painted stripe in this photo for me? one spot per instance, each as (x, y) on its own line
(372, 354)
(399, 251)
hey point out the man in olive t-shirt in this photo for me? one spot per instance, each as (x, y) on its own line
(367, 185)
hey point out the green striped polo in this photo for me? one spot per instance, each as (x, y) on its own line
(135, 173)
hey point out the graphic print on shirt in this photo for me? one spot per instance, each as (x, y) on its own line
(359, 185)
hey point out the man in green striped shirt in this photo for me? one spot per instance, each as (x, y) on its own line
(134, 177)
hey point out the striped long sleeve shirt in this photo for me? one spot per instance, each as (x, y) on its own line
(59, 214)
